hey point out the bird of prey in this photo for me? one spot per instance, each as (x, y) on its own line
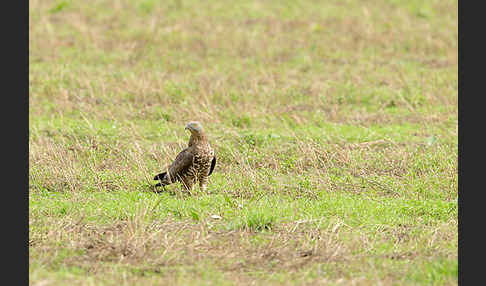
(195, 163)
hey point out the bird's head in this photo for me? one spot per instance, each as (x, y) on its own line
(194, 127)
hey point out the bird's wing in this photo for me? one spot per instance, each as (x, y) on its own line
(182, 162)
(213, 164)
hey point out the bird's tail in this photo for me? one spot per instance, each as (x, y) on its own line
(160, 176)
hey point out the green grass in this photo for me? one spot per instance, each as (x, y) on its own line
(334, 124)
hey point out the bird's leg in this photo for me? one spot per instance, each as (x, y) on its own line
(203, 182)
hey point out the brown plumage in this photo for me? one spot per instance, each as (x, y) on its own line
(195, 163)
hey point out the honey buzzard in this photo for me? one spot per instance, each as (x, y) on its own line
(195, 163)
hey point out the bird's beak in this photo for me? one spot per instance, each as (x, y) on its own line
(186, 128)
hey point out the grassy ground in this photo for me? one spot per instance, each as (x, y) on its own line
(334, 123)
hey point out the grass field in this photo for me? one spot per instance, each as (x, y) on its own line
(334, 123)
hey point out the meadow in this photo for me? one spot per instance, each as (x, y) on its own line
(335, 125)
